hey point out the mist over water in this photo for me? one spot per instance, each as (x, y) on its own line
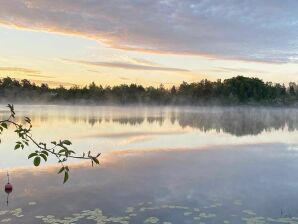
(108, 129)
(239, 121)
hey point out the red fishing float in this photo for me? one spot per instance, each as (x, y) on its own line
(8, 187)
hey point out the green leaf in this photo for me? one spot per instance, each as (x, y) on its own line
(4, 125)
(10, 106)
(32, 155)
(66, 176)
(17, 146)
(28, 120)
(44, 157)
(95, 160)
(62, 151)
(61, 170)
(36, 161)
(66, 142)
(45, 152)
(71, 152)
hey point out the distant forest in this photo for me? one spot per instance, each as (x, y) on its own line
(234, 91)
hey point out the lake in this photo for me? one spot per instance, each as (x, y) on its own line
(158, 165)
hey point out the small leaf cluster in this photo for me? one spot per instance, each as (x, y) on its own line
(65, 170)
(37, 155)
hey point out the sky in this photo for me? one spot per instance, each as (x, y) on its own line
(149, 42)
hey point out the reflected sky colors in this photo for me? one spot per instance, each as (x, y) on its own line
(117, 129)
(159, 165)
(236, 184)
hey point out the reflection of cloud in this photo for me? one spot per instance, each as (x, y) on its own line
(132, 134)
(251, 30)
(136, 139)
(112, 157)
(129, 66)
(293, 147)
(46, 168)
(214, 147)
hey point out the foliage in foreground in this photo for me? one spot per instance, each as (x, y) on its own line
(59, 149)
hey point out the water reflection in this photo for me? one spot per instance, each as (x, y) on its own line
(108, 129)
(238, 121)
(242, 166)
(247, 184)
(8, 189)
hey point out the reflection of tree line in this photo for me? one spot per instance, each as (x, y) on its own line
(239, 124)
(236, 121)
(93, 120)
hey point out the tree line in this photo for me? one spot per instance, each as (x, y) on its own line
(234, 91)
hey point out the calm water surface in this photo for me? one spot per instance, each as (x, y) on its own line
(158, 165)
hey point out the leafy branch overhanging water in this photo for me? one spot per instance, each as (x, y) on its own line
(59, 149)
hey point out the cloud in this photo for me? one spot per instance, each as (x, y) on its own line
(124, 78)
(49, 82)
(142, 61)
(26, 71)
(54, 83)
(237, 70)
(124, 65)
(41, 76)
(264, 31)
(20, 70)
